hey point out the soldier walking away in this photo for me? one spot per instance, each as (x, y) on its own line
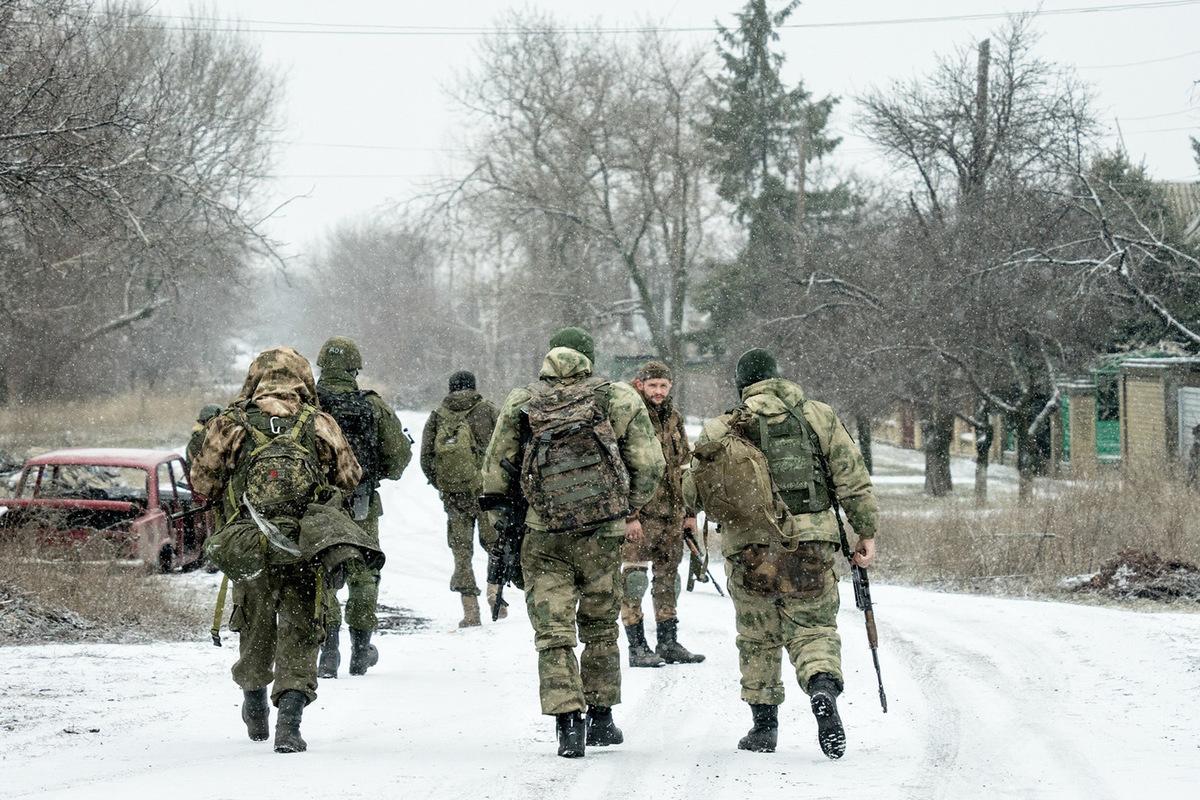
(272, 451)
(383, 450)
(587, 457)
(197, 439)
(662, 522)
(455, 438)
(780, 537)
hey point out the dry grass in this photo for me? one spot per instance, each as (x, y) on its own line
(1033, 547)
(127, 420)
(71, 600)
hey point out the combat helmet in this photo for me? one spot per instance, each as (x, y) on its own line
(341, 353)
(207, 413)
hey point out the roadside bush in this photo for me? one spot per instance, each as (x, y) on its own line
(75, 600)
(1035, 546)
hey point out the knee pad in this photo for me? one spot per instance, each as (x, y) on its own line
(636, 584)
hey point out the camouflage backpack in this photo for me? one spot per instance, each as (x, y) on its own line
(355, 415)
(455, 458)
(280, 474)
(572, 473)
(790, 447)
(733, 480)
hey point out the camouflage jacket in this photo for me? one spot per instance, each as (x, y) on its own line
(395, 448)
(635, 436)
(279, 382)
(481, 419)
(851, 483)
(667, 503)
(194, 443)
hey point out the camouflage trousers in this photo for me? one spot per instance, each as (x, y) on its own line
(767, 624)
(571, 584)
(462, 516)
(662, 549)
(362, 586)
(280, 630)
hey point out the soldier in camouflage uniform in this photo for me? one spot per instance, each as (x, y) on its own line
(572, 577)
(383, 451)
(463, 406)
(803, 620)
(277, 612)
(197, 439)
(663, 521)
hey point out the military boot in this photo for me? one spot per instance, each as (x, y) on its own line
(331, 658)
(470, 618)
(601, 730)
(491, 596)
(570, 734)
(640, 654)
(256, 713)
(763, 737)
(363, 654)
(823, 691)
(669, 648)
(287, 724)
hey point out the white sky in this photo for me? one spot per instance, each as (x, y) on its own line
(367, 119)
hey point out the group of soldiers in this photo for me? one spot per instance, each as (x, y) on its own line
(600, 471)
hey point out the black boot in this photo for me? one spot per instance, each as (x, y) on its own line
(256, 713)
(287, 723)
(601, 730)
(669, 648)
(331, 658)
(640, 654)
(570, 734)
(765, 733)
(363, 654)
(823, 691)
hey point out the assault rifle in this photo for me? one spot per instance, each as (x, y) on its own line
(504, 558)
(689, 539)
(862, 584)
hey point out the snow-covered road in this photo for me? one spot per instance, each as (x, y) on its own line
(988, 698)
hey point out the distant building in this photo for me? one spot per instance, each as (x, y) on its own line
(1183, 199)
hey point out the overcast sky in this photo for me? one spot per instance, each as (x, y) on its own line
(367, 119)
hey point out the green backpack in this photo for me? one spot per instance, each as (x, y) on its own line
(280, 474)
(456, 461)
(790, 447)
(572, 473)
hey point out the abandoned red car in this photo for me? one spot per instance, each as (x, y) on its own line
(111, 503)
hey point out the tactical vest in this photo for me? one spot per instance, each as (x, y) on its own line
(791, 448)
(278, 468)
(456, 457)
(356, 416)
(572, 473)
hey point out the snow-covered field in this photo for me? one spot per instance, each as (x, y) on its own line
(988, 698)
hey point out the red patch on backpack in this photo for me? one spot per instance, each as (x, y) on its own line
(274, 474)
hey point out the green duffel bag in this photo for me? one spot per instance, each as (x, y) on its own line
(238, 549)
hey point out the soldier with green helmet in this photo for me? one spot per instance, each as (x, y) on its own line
(383, 450)
(586, 457)
(779, 554)
(452, 447)
(197, 440)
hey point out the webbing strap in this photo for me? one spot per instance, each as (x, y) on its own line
(576, 463)
(319, 606)
(220, 610)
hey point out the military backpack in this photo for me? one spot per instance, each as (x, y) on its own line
(733, 479)
(279, 472)
(791, 450)
(456, 456)
(356, 416)
(572, 473)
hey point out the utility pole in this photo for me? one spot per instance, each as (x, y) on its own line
(976, 176)
(801, 204)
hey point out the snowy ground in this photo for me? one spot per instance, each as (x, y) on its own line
(989, 698)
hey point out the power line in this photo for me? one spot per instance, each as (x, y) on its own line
(345, 29)
(1141, 63)
(1161, 116)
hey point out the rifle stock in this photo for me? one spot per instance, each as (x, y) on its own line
(689, 539)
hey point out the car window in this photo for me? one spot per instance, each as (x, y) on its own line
(29, 482)
(92, 482)
(183, 488)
